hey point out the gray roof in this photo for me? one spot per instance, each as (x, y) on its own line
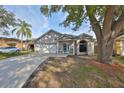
(81, 36)
(68, 36)
(51, 30)
(84, 35)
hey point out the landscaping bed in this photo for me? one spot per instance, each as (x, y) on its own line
(8, 55)
(76, 72)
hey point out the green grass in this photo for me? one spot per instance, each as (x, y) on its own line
(120, 59)
(8, 55)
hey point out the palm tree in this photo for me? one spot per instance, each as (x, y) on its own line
(23, 30)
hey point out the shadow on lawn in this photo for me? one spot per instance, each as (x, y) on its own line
(76, 71)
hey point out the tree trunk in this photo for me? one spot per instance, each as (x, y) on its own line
(105, 50)
(22, 42)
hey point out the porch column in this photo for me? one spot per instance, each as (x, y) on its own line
(90, 48)
(73, 47)
(57, 47)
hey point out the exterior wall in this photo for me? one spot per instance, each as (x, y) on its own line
(45, 48)
(122, 48)
(37, 47)
(90, 48)
(47, 43)
(10, 42)
(117, 47)
(3, 44)
(18, 45)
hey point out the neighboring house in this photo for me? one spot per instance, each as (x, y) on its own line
(13, 42)
(55, 42)
(119, 46)
(9, 42)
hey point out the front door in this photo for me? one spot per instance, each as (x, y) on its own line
(65, 48)
(83, 46)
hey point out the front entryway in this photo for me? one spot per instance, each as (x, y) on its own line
(83, 46)
(31, 47)
(65, 48)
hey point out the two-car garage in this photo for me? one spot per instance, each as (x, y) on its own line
(46, 48)
(47, 43)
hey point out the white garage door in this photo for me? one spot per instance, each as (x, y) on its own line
(48, 48)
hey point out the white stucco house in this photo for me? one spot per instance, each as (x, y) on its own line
(58, 43)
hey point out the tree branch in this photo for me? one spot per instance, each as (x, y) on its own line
(94, 23)
(119, 24)
(108, 19)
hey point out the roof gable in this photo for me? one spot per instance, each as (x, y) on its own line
(49, 37)
(50, 31)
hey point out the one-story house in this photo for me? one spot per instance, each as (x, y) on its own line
(55, 42)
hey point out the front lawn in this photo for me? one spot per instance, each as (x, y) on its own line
(119, 59)
(77, 71)
(7, 55)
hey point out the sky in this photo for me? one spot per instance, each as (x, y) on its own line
(40, 23)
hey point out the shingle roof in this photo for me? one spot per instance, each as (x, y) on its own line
(67, 36)
(84, 35)
(51, 30)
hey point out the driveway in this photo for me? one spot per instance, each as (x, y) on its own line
(15, 71)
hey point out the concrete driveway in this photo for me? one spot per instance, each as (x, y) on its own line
(15, 71)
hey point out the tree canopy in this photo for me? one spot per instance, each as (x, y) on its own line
(77, 14)
(7, 20)
(106, 21)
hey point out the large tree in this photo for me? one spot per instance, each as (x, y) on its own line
(106, 21)
(22, 30)
(7, 20)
